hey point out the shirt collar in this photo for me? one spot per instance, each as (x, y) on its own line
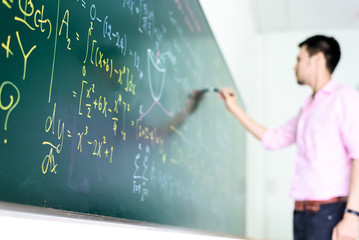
(329, 87)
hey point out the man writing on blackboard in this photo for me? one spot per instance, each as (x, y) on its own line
(325, 185)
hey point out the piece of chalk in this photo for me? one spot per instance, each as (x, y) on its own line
(210, 89)
(214, 89)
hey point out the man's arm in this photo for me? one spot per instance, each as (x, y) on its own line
(348, 228)
(229, 97)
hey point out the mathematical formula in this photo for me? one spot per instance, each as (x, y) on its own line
(121, 119)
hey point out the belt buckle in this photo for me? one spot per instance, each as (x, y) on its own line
(312, 207)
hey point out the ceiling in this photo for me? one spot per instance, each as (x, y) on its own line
(287, 15)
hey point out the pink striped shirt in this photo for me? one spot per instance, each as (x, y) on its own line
(326, 132)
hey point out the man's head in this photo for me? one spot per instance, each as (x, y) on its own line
(317, 53)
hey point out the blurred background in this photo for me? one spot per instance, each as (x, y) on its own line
(259, 40)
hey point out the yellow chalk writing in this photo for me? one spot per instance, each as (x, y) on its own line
(49, 161)
(66, 22)
(26, 56)
(7, 47)
(7, 4)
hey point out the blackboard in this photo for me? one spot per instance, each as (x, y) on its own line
(93, 113)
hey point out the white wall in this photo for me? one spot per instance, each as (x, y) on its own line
(232, 24)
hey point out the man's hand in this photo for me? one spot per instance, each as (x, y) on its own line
(229, 97)
(347, 228)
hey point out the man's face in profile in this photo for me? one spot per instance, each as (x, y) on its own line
(304, 67)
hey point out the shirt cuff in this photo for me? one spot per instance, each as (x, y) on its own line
(266, 139)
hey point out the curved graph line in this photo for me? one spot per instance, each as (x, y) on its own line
(158, 66)
(148, 111)
(166, 111)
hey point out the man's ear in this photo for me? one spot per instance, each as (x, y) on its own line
(320, 58)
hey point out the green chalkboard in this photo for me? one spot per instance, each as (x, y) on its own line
(97, 113)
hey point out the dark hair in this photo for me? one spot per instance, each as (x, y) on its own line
(327, 45)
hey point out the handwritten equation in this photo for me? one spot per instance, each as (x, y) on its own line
(105, 53)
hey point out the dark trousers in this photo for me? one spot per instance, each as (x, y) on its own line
(319, 225)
